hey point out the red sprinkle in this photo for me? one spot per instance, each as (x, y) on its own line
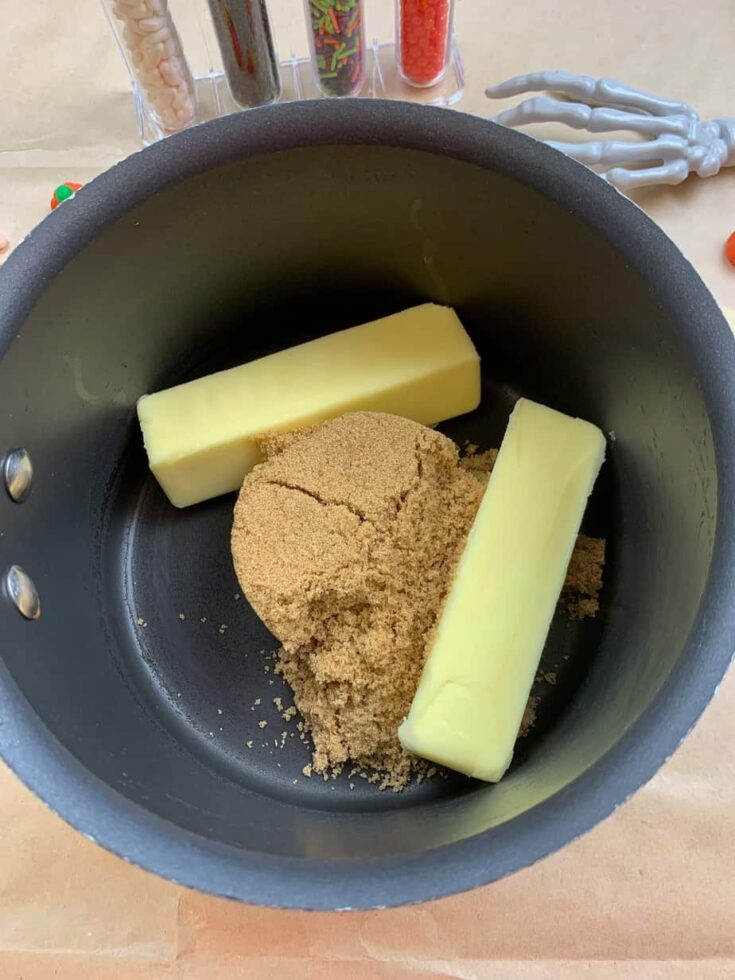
(424, 31)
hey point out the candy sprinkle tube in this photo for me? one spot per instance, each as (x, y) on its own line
(248, 53)
(337, 37)
(150, 42)
(424, 29)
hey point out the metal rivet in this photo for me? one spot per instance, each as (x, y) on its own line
(18, 473)
(22, 592)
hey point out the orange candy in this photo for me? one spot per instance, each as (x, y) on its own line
(63, 192)
(730, 249)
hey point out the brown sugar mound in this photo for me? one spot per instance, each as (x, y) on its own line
(344, 541)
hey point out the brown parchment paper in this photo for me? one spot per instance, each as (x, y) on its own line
(648, 894)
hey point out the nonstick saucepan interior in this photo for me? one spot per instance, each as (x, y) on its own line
(127, 703)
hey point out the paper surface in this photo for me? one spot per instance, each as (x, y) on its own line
(648, 894)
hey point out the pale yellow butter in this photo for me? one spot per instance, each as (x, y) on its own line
(199, 436)
(474, 687)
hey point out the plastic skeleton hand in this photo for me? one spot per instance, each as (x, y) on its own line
(676, 142)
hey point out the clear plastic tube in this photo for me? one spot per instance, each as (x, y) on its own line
(423, 40)
(150, 43)
(248, 53)
(337, 40)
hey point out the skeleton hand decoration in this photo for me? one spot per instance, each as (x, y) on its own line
(675, 139)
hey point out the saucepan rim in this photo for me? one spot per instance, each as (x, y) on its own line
(142, 838)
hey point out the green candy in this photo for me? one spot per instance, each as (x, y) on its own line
(63, 193)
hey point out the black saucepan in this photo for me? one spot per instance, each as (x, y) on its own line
(126, 703)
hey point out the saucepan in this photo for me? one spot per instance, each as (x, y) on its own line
(124, 703)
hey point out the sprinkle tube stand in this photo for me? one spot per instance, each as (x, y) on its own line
(152, 49)
(337, 40)
(248, 53)
(423, 49)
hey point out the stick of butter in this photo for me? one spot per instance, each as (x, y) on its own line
(491, 632)
(200, 436)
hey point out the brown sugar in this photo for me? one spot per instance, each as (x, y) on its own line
(344, 541)
(480, 464)
(584, 577)
(529, 717)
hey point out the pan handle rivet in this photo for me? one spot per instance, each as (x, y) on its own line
(18, 474)
(22, 592)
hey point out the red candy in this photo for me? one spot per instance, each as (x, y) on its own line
(424, 39)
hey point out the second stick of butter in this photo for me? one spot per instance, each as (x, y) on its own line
(475, 684)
